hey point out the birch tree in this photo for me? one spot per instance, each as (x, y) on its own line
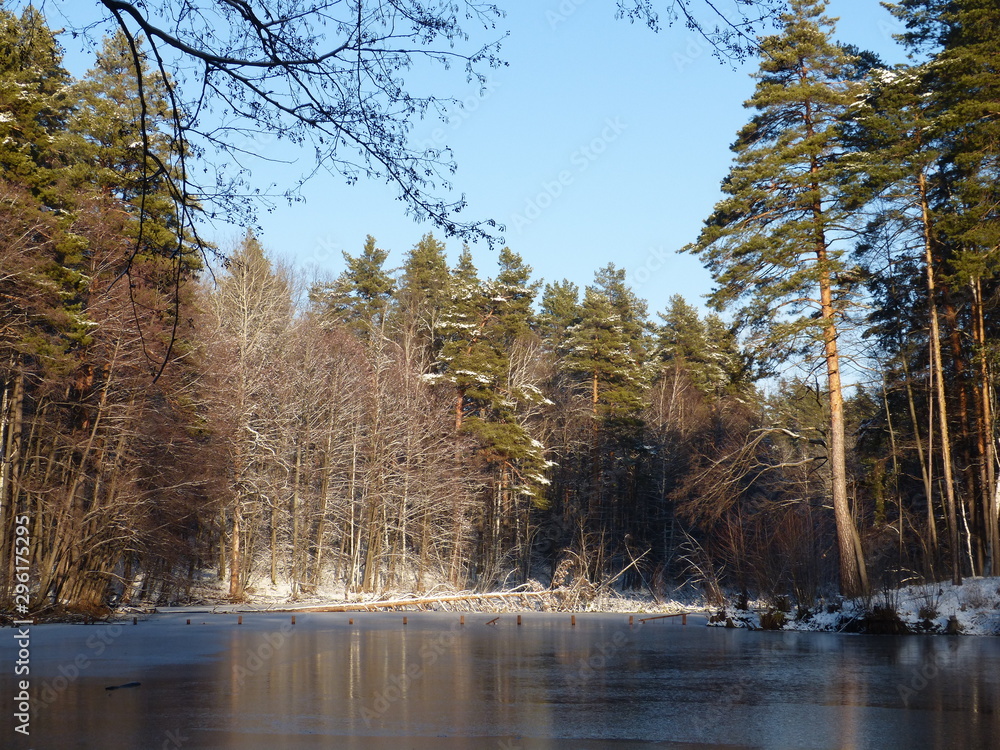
(252, 310)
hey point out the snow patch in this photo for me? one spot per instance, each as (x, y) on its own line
(935, 608)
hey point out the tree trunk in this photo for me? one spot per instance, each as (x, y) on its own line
(938, 374)
(926, 467)
(853, 573)
(223, 550)
(960, 386)
(274, 544)
(984, 435)
(594, 398)
(235, 566)
(297, 559)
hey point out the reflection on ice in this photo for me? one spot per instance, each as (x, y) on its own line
(545, 684)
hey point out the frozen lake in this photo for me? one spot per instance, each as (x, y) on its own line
(324, 683)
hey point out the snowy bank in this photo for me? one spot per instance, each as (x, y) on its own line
(970, 609)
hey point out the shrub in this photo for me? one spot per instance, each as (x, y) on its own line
(931, 596)
(927, 612)
(772, 619)
(884, 620)
(974, 597)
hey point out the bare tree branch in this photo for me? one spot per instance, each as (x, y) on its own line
(331, 73)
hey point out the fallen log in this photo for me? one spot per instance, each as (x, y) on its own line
(126, 685)
(663, 617)
(398, 603)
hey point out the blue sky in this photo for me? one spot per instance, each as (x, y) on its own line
(600, 142)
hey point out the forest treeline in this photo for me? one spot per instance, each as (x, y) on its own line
(415, 421)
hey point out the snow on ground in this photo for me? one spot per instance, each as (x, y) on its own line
(970, 609)
(210, 595)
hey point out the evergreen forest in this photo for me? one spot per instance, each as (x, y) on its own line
(174, 413)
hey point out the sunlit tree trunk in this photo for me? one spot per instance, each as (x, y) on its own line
(939, 389)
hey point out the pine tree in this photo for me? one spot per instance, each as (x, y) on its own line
(36, 147)
(36, 101)
(481, 328)
(360, 297)
(896, 139)
(771, 243)
(514, 289)
(72, 354)
(422, 296)
(966, 87)
(600, 356)
(506, 425)
(468, 360)
(124, 153)
(705, 349)
(601, 392)
(966, 84)
(944, 141)
(47, 264)
(560, 311)
(630, 309)
(129, 153)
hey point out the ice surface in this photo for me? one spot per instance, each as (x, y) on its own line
(545, 684)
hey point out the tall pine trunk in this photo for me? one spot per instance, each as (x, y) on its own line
(853, 572)
(986, 448)
(937, 373)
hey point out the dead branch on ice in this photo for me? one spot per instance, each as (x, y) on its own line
(415, 602)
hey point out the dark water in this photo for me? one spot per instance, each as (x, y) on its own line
(433, 684)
